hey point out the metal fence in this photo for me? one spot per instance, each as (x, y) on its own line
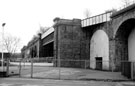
(71, 69)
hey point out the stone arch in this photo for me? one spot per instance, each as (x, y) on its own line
(99, 49)
(123, 38)
(119, 21)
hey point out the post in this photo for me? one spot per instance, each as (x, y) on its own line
(59, 67)
(20, 69)
(7, 74)
(112, 66)
(2, 60)
(31, 67)
(3, 45)
(85, 63)
(132, 74)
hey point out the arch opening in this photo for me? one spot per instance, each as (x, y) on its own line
(121, 40)
(99, 51)
(125, 46)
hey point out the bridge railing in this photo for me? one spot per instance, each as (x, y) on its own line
(96, 19)
(126, 5)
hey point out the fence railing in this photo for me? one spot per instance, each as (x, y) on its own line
(72, 69)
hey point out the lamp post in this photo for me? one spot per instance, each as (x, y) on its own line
(3, 45)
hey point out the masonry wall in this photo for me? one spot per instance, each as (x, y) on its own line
(69, 44)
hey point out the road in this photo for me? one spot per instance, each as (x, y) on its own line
(51, 82)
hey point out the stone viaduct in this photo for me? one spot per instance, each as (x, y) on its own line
(107, 37)
(106, 41)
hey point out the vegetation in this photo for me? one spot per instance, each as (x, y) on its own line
(11, 45)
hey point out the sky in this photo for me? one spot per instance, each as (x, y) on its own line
(23, 18)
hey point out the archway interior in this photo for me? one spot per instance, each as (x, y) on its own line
(48, 50)
(122, 43)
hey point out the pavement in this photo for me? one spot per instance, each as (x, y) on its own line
(46, 71)
(72, 74)
(51, 82)
(54, 76)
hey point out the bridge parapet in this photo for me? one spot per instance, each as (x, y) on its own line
(96, 19)
(49, 31)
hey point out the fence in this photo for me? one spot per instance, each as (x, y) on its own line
(71, 69)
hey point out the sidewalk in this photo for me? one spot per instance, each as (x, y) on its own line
(46, 71)
(75, 74)
(48, 82)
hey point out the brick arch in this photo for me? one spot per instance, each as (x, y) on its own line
(121, 41)
(117, 22)
(104, 28)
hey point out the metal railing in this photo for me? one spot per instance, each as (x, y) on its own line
(73, 69)
(126, 5)
(96, 19)
(103, 17)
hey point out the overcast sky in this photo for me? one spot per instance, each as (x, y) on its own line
(23, 17)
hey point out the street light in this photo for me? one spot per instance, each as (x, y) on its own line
(3, 45)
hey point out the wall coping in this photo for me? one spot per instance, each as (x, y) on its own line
(58, 21)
